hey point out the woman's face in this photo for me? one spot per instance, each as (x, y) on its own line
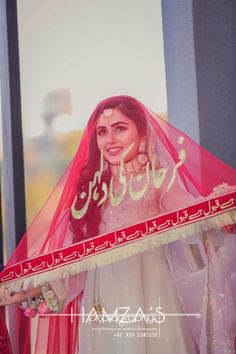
(115, 133)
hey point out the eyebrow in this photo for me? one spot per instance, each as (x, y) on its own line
(113, 125)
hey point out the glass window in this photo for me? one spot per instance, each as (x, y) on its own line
(72, 55)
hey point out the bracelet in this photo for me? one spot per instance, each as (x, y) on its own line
(44, 303)
(26, 303)
(49, 297)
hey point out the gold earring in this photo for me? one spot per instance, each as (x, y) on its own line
(142, 157)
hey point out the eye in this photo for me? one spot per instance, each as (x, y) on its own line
(101, 132)
(120, 128)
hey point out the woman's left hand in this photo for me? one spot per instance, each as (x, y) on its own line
(7, 299)
(231, 229)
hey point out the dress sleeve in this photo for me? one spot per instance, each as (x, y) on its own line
(204, 275)
(174, 197)
(67, 289)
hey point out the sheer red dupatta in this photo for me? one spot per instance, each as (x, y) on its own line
(199, 175)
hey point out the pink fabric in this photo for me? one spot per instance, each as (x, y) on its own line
(54, 228)
(30, 312)
(200, 173)
(5, 345)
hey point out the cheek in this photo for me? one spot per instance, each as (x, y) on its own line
(133, 137)
(100, 143)
(130, 139)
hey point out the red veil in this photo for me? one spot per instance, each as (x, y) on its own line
(196, 194)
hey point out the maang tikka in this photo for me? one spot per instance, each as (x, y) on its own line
(107, 113)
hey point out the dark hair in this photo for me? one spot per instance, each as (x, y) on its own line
(87, 226)
(131, 109)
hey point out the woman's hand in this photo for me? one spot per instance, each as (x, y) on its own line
(231, 229)
(7, 299)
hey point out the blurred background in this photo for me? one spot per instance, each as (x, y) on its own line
(61, 58)
(72, 55)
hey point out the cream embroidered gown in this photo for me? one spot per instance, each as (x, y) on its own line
(140, 281)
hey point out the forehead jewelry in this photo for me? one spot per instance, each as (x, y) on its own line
(107, 113)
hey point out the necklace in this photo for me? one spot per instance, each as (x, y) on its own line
(130, 168)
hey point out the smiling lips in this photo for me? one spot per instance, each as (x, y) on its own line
(113, 151)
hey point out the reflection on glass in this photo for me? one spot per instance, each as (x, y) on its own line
(47, 155)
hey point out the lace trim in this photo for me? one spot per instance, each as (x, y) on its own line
(220, 189)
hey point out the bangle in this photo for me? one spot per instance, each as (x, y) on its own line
(26, 302)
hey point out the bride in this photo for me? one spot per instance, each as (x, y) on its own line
(140, 281)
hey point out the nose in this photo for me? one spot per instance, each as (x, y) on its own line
(110, 137)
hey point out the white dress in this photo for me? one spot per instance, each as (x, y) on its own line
(140, 281)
